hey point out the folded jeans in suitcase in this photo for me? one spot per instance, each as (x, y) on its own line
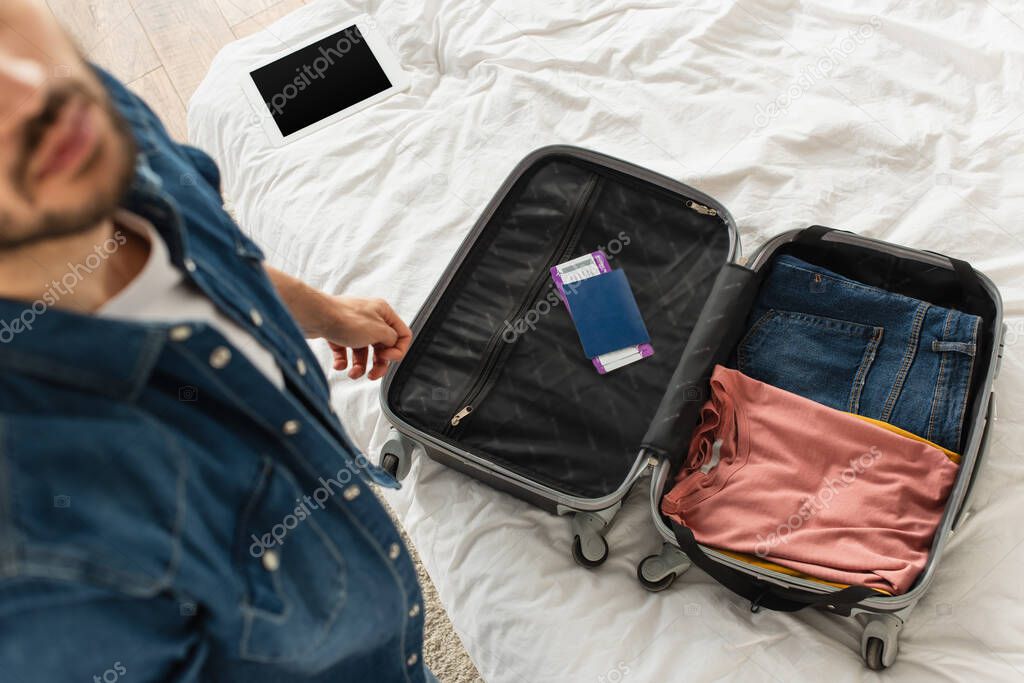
(862, 349)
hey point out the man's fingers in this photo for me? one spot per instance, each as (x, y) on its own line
(380, 365)
(396, 350)
(359, 359)
(391, 353)
(377, 325)
(340, 356)
(388, 337)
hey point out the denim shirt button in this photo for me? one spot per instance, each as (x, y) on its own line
(190, 265)
(414, 611)
(291, 427)
(351, 493)
(180, 333)
(256, 318)
(271, 561)
(413, 658)
(220, 357)
(300, 365)
(394, 551)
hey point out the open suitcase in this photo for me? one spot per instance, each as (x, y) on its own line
(495, 384)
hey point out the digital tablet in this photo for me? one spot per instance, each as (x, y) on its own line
(327, 78)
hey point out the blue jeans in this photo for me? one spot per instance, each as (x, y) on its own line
(862, 349)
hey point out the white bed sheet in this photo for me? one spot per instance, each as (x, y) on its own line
(887, 122)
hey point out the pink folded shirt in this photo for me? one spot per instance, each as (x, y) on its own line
(809, 487)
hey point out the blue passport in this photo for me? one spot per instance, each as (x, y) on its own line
(605, 312)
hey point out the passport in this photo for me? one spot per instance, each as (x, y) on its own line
(606, 314)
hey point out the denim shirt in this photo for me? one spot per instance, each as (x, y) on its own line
(166, 513)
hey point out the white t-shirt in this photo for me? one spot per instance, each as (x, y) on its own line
(160, 293)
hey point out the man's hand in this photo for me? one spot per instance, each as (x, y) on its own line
(349, 324)
(358, 325)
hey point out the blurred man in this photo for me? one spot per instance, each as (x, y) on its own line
(177, 500)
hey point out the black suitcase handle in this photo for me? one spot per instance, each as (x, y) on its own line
(761, 593)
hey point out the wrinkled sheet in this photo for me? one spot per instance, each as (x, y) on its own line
(885, 119)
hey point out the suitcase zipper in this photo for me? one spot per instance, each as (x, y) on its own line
(457, 418)
(493, 352)
(700, 208)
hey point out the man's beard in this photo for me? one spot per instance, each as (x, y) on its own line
(102, 204)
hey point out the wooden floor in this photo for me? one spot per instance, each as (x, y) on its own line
(162, 48)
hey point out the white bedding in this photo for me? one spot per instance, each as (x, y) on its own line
(886, 122)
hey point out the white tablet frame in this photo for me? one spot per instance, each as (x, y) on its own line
(382, 53)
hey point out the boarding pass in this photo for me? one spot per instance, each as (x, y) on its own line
(566, 276)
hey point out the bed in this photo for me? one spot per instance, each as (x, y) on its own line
(883, 120)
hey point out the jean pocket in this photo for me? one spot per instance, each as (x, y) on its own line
(823, 359)
(294, 577)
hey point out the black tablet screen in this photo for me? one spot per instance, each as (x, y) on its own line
(320, 80)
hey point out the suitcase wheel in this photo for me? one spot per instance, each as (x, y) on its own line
(396, 455)
(658, 572)
(591, 554)
(589, 548)
(873, 654)
(389, 463)
(655, 585)
(879, 643)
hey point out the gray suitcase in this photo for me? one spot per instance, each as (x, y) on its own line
(495, 385)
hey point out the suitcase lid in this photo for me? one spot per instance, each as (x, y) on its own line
(682, 232)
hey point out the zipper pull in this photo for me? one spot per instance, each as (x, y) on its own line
(701, 209)
(457, 418)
